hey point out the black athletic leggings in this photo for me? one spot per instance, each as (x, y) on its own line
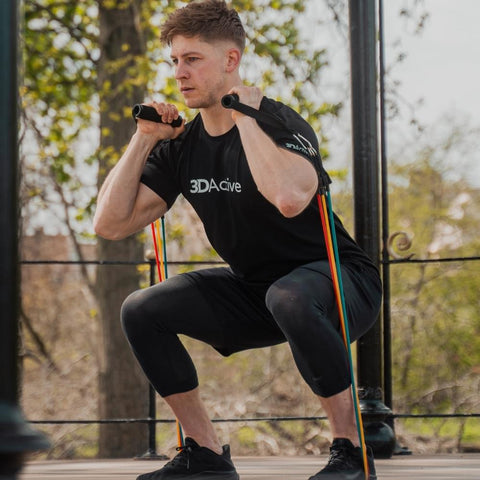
(231, 315)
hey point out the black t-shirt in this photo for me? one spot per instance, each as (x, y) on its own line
(245, 229)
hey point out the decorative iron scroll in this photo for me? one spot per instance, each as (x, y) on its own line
(399, 242)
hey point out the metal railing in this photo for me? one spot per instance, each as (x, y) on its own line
(152, 421)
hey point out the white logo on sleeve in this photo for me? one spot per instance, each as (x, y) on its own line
(304, 145)
(202, 185)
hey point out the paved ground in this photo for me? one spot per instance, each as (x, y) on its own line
(415, 467)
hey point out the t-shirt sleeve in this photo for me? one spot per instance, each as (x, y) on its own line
(159, 174)
(297, 135)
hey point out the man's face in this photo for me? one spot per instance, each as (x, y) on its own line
(199, 70)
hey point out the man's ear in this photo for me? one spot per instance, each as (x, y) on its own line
(233, 58)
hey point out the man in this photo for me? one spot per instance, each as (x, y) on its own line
(253, 186)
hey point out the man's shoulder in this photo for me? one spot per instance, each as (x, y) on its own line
(270, 105)
(282, 110)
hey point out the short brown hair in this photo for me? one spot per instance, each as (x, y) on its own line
(209, 19)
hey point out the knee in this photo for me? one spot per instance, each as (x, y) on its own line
(147, 312)
(291, 306)
(130, 316)
(141, 314)
(281, 300)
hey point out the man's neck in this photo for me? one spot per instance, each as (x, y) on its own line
(217, 120)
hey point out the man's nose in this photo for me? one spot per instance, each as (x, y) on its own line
(181, 71)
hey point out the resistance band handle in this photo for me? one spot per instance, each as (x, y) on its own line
(229, 101)
(149, 113)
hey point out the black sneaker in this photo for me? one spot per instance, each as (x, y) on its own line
(346, 463)
(194, 462)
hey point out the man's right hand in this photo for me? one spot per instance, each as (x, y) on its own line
(161, 131)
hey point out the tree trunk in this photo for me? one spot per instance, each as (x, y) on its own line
(123, 387)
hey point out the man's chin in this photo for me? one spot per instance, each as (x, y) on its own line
(198, 102)
(192, 104)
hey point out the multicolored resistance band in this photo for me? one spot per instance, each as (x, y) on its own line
(328, 226)
(160, 247)
(326, 214)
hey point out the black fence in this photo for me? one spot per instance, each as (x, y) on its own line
(152, 421)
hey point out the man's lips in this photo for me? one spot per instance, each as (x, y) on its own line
(186, 89)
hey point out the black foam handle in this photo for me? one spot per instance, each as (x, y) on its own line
(229, 100)
(149, 113)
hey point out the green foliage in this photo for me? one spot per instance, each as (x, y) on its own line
(436, 348)
(59, 56)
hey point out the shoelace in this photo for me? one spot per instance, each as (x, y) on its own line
(182, 458)
(338, 459)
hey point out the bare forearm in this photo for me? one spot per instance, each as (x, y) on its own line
(284, 178)
(124, 205)
(117, 196)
